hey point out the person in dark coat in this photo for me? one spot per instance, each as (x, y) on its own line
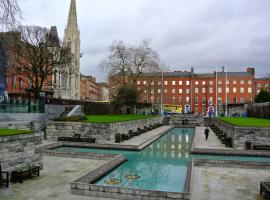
(206, 133)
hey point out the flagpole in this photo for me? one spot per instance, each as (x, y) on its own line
(226, 101)
(216, 93)
(161, 100)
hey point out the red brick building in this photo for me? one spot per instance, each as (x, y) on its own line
(183, 91)
(89, 88)
(93, 91)
(262, 83)
(17, 83)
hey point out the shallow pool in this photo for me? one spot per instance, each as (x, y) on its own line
(160, 166)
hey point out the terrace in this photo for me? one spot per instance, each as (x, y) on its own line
(160, 166)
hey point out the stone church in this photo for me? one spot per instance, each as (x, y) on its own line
(66, 78)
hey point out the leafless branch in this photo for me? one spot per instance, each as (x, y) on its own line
(129, 61)
(32, 55)
(10, 14)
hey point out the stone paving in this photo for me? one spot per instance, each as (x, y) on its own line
(53, 183)
(146, 136)
(212, 143)
(218, 183)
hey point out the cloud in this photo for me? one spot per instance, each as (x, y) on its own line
(185, 33)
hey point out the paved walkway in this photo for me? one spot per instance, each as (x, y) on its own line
(212, 143)
(218, 183)
(146, 136)
(53, 183)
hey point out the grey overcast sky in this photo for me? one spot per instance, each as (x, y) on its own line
(185, 33)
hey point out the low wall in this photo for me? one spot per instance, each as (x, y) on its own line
(241, 135)
(104, 133)
(17, 150)
(8, 117)
(17, 125)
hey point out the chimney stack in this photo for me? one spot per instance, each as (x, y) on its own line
(251, 70)
(192, 70)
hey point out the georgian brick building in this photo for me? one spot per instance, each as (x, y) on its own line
(262, 83)
(89, 88)
(184, 91)
(93, 91)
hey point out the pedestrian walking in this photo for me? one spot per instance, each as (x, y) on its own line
(206, 133)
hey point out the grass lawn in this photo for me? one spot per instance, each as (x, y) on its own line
(8, 132)
(115, 118)
(247, 121)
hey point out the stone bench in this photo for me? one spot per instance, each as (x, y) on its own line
(261, 147)
(76, 139)
(4, 178)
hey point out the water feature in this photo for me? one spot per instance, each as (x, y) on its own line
(160, 166)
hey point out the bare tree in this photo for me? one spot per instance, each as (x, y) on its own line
(129, 62)
(34, 54)
(10, 13)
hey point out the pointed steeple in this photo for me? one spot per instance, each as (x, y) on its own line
(72, 41)
(72, 16)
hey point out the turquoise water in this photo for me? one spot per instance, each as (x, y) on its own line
(160, 166)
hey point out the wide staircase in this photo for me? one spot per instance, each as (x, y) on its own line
(186, 120)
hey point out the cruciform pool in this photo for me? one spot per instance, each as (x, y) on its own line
(161, 166)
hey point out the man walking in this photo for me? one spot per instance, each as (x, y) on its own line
(206, 133)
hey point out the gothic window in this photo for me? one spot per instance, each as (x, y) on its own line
(55, 76)
(64, 81)
(69, 44)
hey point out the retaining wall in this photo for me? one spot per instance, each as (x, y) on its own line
(18, 150)
(241, 135)
(17, 125)
(104, 133)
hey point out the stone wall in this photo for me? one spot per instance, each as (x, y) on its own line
(51, 112)
(11, 117)
(17, 125)
(241, 135)
(17, 150)
(191, 120)
(104, 133)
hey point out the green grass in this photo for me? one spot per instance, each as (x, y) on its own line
(115, 118)
(247, 121)
(8, 132)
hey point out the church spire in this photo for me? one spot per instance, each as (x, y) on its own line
(72, 16)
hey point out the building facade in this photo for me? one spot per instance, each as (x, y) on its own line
(262, 83)
(93, 91)
(66, 78)
(104, 92)
(89, 88)
(183, 91)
